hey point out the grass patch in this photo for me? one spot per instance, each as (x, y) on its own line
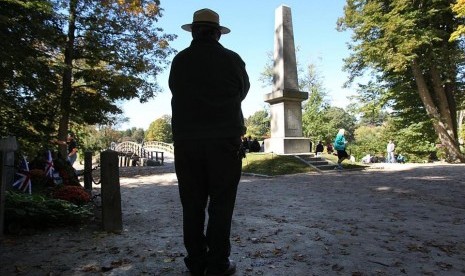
(273, 164)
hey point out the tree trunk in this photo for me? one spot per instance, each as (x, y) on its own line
(443, 105)
(441, 121)
(65, 105)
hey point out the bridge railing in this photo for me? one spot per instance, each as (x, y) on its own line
(131, 152)
(159, 145)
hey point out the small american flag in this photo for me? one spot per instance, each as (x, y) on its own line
(24, 181)
(49, 169)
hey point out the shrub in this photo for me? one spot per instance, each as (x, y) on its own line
(38, 211)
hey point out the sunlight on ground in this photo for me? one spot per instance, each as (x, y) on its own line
(442, 178)
(395, 190)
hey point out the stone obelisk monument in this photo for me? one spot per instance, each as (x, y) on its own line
(285, 99)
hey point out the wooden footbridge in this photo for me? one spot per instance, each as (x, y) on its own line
(132, 153)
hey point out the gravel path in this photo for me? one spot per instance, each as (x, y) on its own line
(391, 219)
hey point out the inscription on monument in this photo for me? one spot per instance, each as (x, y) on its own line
(292, 119)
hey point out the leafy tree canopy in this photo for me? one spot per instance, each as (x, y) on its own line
(258, 124)
(406, 45)
(73, 62)
(369, 104)
(160, 130)
(29, 39)
(459, 9)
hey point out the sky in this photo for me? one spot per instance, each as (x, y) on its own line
(252, 37)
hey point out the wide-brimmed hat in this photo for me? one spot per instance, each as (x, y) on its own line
(206, 17)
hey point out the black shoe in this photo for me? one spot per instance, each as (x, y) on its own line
(195, 269)
(230, 270)
(196, 272)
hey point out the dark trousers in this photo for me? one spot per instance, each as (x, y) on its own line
(208, 171)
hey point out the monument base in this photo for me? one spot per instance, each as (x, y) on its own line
(285, 145)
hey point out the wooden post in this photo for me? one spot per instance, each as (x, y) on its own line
(8, 146)
(88, 171)
(111, 196)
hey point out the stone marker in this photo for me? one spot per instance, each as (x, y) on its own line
(285, 99)
(110, 191)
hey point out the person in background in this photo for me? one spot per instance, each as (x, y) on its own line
(255, 146)
(366, 159)
(340, 146)
(208, 83)
(390, 148)
(319, 148)
(72, 147)
(245, 144)
(401, 158)
(329, 148)
(249, 140)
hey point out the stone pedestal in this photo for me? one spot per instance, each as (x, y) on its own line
(286, 112)
(287, 145)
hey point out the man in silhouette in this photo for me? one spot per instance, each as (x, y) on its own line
(208, 83)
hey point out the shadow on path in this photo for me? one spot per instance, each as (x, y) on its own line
(382, 221)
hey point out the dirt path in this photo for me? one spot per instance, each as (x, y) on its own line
(388, 220)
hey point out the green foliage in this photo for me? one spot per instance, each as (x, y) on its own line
(61, 58)
(459, 10)
(368, 140)
(160, 130)
(406, 48)
(134, 134)
(314, 110)
(258, 124)
(38, 211)
(138, 134)
(320, 121)
(266, 76)
(369, 104)
(387, 34)
(95, 138)
(413, 141)
(462, 134)
(117, 46)
(272, 164)
(324, 125)
(29, 38)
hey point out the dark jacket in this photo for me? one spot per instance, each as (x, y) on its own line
(319, 148)
(208, 83)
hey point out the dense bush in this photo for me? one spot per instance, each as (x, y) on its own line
(412, 142)
(368, 140)
(38, 211)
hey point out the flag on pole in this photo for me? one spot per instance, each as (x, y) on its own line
(49, 168)
(24, 181)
